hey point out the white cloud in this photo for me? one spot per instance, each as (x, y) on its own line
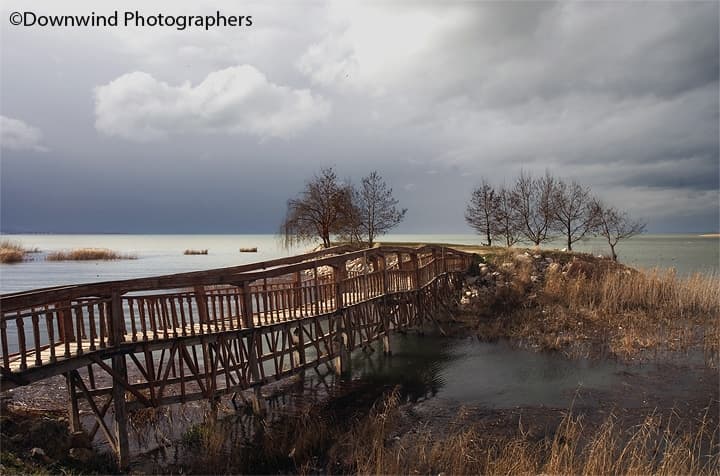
(239, 99)
(17, 135)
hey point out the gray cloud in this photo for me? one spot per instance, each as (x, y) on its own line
(620, 95)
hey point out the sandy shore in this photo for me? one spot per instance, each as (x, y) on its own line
(710, 235)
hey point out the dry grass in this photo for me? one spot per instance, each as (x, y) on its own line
(195, 252)
(656, 446)
(380, 443)
(88, 254)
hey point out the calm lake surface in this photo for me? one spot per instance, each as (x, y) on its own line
(163, 254)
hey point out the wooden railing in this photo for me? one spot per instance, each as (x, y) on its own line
(46, 326)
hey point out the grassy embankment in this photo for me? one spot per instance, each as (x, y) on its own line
(581, 304)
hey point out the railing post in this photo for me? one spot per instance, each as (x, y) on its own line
(201, 305)
(247, 317)
(117, 319)
(385, 275)
(316, 289)
(67, 334)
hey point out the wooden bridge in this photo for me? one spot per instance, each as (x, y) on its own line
(155, 341)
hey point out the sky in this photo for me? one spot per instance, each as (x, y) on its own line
(133, 129)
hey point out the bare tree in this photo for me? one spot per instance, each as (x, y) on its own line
(615, 225)
(480, 212)
(506, 223)
(377, 208)
(351, 222)
(319, 211)
(532, 199)
(572, 211)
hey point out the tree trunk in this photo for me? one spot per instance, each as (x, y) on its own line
(612, 250)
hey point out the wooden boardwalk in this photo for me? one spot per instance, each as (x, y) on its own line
(203, 334)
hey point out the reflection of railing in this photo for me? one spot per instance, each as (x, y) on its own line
(45, 326)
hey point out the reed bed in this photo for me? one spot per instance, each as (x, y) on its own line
(88, 254)
(14, 251)
(195, 252)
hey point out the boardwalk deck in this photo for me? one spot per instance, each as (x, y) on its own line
(209, 333)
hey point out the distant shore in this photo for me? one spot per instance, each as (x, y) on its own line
(710, 235)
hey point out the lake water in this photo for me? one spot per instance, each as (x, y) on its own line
(163, 254)
(498, 375)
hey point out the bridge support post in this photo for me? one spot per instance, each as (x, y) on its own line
(342, 359)
(120, 412)
(254, 349)
(119, 366)
(73, 410)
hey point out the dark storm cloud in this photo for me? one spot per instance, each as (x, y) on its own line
(164, 131)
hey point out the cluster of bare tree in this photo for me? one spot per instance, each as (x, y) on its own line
(330, 207)
(539, 209)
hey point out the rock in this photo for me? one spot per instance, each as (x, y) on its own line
(82, 455)
(549, 260)
(533, 278)
(537, 256)
(80, 439)
(524, 258)
(39, 454)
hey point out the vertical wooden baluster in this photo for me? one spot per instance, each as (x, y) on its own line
(36, 337)
(247, 318)
(212, 305)
(202, 308)
(21, 341)
(103, 326)
(183, 320)
(161, 303)
(4, 342)
(51, 332)
(133, 327)
(266, 308)
(221, 308)
(141, 312)
(238, 308)
(91, 322)
(159, 315)
(261, 312)
(276, 304)
(80, 334)
(191, 317)
(151, 316)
